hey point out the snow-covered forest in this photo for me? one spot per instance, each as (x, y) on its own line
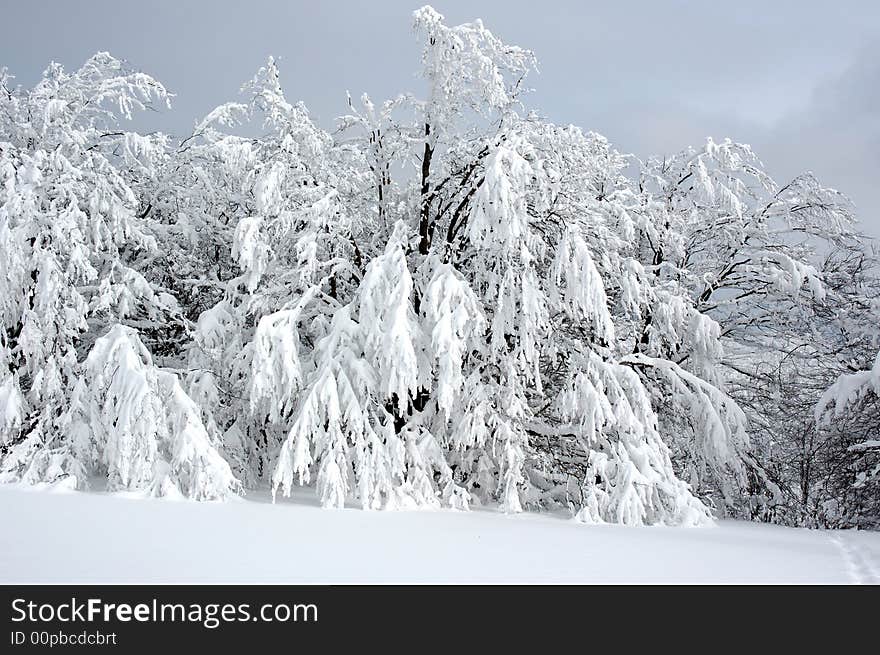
(446, 301)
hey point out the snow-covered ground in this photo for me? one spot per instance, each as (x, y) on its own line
(92, 537)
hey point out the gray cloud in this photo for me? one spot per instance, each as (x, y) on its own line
(837, 135)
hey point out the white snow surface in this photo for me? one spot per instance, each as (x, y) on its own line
(75, 537)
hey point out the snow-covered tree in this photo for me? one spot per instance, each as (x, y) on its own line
(854, 400)
(132, 424)
(71, 237)
(753, 261)
(352, 423)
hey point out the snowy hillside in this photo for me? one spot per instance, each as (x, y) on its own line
(85, 537)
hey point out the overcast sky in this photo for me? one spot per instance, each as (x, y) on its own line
(799, 81)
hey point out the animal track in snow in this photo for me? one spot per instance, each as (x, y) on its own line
(858, 561)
